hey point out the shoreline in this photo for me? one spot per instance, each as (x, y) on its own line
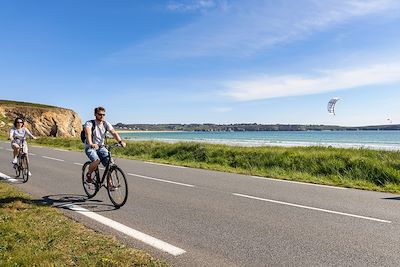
(278, 144)
(139, 131)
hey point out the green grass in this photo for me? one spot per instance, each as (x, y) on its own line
(20, 103)
(356, 168)
(34, 234)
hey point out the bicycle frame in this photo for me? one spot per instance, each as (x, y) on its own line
(22, 163)
(109, 165)
(21, 153)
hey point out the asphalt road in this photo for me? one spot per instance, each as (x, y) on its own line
(222, 219)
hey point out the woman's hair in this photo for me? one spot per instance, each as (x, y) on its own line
(18, 118)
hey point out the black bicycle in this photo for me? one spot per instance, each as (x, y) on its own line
(113, 180)
(22, 165)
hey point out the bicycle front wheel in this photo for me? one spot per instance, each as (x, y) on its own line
(91, 187)
(24, 168)
(17, 170)
(117, 187)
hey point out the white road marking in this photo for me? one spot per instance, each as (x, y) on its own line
(59, 149)
(36, 146)
(52, 158)
(160, 180)
(154, 242)
(31, 154)
(6, 177)
(9, 149)
(167, 165)
(295, 182)
(312, 208)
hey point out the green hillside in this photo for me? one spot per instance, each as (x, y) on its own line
(19, 103)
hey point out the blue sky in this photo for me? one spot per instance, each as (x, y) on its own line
(205, 61)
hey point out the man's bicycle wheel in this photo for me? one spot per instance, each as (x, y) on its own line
(117, 187)
(24, 168)
(91, 188)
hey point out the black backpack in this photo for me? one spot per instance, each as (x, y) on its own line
(83, 135)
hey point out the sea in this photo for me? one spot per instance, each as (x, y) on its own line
(380, 140)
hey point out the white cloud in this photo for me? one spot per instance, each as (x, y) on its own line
(242, 28)
(265, 86)
(193, 5)
(222, 109)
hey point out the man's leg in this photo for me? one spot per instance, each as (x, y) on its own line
(93, 165)
(91, 153)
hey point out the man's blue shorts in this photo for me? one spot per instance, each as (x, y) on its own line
(99, 154)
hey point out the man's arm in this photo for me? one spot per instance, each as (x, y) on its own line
(117, 137)
(88, 132)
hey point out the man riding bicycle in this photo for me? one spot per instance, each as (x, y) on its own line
(94, 142)
(17, 136)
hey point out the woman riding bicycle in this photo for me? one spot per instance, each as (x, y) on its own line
(17, 136)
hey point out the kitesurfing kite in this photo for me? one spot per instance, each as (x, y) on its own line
(332, 104)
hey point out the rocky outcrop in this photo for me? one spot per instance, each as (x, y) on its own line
(42, 120)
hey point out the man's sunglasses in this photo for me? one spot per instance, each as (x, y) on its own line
(100, 114)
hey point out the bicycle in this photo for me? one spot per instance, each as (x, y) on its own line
(22, 165)
(116, 185)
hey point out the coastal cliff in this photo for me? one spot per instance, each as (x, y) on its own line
(42, 120)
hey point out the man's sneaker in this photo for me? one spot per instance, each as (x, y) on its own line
(111, 186)
(14, 161)
(29, 173)
(89, 178)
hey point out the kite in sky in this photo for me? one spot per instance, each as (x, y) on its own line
(332, 104)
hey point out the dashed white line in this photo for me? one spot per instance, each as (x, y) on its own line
(312, 208)
(160, 180)
(152, 241)
(59, 149)
(9, 149)
(6, 177)
(52, 158)
(31, 154)
(167, 165)
(295, 182)
(76, 163)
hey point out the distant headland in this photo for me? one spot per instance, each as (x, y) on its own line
(240, 127)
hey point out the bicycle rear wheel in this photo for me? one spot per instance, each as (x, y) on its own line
(91, 188)
(117, 187)
(24, 168)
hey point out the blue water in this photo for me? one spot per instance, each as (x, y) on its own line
(388, 140)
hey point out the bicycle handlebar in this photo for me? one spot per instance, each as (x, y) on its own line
(111, 146)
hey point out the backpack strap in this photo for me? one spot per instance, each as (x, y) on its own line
(93, 127)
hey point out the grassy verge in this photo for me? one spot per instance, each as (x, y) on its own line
(356, 168)
(33, 234)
